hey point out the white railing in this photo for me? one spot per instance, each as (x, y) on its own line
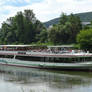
(42, 53)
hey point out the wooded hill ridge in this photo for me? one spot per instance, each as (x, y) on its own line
(84, 17)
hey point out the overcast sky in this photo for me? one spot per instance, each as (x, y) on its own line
(43, 9)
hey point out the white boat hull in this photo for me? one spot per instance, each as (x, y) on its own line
(46, 65)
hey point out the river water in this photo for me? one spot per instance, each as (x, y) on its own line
(15, 79)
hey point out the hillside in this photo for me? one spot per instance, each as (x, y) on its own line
(85, 17)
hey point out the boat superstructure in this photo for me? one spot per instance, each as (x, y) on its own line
(44, 57)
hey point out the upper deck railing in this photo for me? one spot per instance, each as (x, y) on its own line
(45, 54)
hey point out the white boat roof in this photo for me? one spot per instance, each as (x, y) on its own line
(34, 45)
(20, 46)
(16, 45)
(61, 46)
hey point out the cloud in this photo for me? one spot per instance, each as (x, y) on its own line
(43, 9)
(49, 9)
(16, 3)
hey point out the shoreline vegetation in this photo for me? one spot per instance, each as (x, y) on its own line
(25, 28)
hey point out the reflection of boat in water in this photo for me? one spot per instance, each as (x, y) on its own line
(27, 76)
(46, 59)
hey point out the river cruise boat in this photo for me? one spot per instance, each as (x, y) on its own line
(43, 57)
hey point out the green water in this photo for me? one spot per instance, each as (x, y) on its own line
(15, 79)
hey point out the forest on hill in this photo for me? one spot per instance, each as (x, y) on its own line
(25, 28)
(84, 17)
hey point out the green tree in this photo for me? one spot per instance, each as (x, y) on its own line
(52, 35)
(63, 19)
(22, 28)
(84, 39)
(30, 16)
(75, 27)
(43, 36)
(65, 32)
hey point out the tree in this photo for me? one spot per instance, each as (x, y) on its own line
(63, 19)
(53, 34)
(43, 36)
(30, 16)
(65, 32)
(22, 28)
(84, 39)
(75, 27)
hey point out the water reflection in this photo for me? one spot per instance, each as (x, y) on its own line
(14, 79)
